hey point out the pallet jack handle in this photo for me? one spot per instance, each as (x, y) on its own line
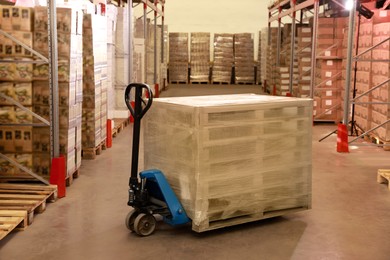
(140, 108)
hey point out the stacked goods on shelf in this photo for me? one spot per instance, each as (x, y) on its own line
(283, 75)
(200, 57)
(364, 76)
(70, 80)
(327, 93)
(95, 88)
(121, 62)
(263, 60)
(150, 55)
(381, 74)
(304, 61)
(178, 58)
(272, 60)
(243, 58)
(164, 66)
(111, 13)
(16, 82)
(262, 142)
(223, 58)
(258, 63)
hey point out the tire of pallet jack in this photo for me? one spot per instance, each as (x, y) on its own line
(145, 224)
(130, 218)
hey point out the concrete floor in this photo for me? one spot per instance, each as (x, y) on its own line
(349, 218)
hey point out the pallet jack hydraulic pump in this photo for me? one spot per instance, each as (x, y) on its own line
(149, 191)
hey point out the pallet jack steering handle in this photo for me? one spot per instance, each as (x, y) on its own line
(137, 112)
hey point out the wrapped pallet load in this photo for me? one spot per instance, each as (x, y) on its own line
(232, 159)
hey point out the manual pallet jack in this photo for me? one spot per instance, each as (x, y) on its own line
(150, 194)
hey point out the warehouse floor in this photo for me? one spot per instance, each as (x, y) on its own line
(349, 218)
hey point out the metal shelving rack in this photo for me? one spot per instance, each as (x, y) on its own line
(158, 8)
(289, 8)
(52, 60)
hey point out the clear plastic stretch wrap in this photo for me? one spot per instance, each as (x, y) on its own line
(243, 58)
(232, 158)
(200, 57)
(178, 57)
(223, 58)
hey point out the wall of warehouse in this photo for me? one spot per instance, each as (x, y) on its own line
(217, 16)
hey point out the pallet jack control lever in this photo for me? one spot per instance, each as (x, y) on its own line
(140, 108)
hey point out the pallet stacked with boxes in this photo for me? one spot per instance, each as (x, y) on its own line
(380, 75)
(70, 78)
(304, 50)
(111, 13)
(327, 93)
(263, 60)
(95, 88)
(206, 145)
(259, 58)
(243, 58)
(16, 82)
(178, 58)
(223, 58)
(200, 57)
(272, 60)
(283, 75)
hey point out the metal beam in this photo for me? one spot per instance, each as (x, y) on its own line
(314, 48)
(53, 79)
(351, 29)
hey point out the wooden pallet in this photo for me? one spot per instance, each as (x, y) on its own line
(91, 153)
(119, 125)
(199, 82)
(244, 83)
(211, 225)
(384, 177)
(12, 220)
(18, 198)
(372, 138)
(71, 177)
(177, 82)
(220, 82)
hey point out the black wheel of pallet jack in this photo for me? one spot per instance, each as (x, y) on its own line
(130, 219)
(145, 224)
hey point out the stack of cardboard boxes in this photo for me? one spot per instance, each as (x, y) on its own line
(380, 74)
(32, 145)
(243, 58)
(363, 75)
(95, 88)
(200, 57)
(70, 78)
(178, 57)
(223, 58)
(327, 94)
(16, 83)
(263, 56)
(272, 59)
(304, 50)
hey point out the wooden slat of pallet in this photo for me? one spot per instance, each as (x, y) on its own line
(10, 220)
(384, 177)
(91, 153)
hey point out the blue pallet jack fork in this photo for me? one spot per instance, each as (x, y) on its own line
(149, 193)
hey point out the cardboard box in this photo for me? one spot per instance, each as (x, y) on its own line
(25, 160)
(23, 140)
(7, 139)
(7, 88)
(22, 18)
(23, 93)
(6, 18)
(7, 115)
(7, 168)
